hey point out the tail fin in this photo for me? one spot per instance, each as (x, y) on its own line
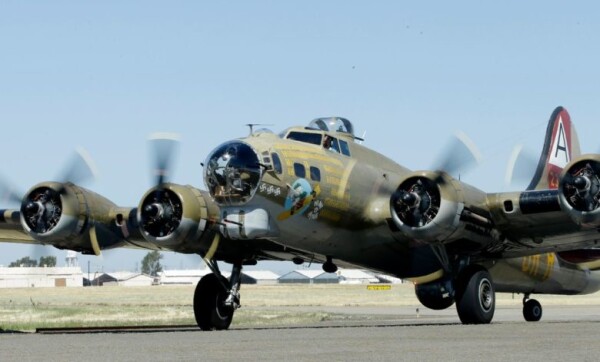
(560, 147)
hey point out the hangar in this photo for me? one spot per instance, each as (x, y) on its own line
(193, 276)
(41, 277)
(356, 276)
(261, 277)
(184, 276)
(309, 276)
(126, 279)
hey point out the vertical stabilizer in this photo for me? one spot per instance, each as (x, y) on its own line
(560, 147)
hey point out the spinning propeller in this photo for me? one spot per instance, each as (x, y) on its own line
(521, 167)
(581, 186)
(459, 155)
(41, 209)
(417, 200)
(161, 212)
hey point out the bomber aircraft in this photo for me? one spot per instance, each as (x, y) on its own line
(317, 194)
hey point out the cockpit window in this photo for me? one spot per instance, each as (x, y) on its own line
(344, 148)
(331, 144)
(312, 138)
(335, 146)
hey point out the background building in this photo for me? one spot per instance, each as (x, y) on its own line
(311, 276)
(41, 277)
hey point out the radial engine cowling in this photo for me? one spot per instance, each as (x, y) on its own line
(429, 206)
(59, 214)
(579, 190)
(174, 216)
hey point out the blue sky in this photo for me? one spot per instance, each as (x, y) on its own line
(105, 75)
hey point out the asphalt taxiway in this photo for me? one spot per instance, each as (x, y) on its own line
(565, 333)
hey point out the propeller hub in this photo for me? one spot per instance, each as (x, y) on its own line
(161, 213)
(581, 186)
(32, 207)
(582, 183)
(153, 211)
(42, 209)
(417, 201)
(410, 199)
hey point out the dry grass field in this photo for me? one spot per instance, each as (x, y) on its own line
(31, 308)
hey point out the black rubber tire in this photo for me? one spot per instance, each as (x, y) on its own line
(209, 310)
(476, 297)
(532, 310)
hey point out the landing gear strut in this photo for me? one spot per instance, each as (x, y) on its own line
(216, 298)
(532, 309)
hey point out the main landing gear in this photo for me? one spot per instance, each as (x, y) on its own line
(216, 298)
(472, 291)
(532, 309)
(475, 296)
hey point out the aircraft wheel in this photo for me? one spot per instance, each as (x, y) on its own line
(532, 310)
(209, 304)
(476, 298)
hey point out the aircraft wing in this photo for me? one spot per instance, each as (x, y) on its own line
(559, 211)
(538, 221)
(11, 229)
(89, 223)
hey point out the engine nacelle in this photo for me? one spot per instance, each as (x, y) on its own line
(172, 215)
(59, 214)
(434, 207)
(579, 190)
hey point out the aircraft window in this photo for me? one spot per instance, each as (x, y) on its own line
(333, 124)
(335, 146)
(331, 144)
(315, 174)
(344, 147)
(312, 138)
(299, 170)
(277, 163)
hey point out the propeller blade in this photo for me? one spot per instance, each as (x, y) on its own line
(163, 147)
(79, 169)
(460, 155)
(521, 166)
(8, 193)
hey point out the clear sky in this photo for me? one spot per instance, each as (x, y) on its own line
(106, 74)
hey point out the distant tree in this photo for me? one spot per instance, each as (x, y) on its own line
(25, 262)
(151, 263)
(49, 261)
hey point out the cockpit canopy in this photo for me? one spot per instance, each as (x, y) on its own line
(333, 124)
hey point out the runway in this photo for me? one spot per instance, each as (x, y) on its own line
(566, 332)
